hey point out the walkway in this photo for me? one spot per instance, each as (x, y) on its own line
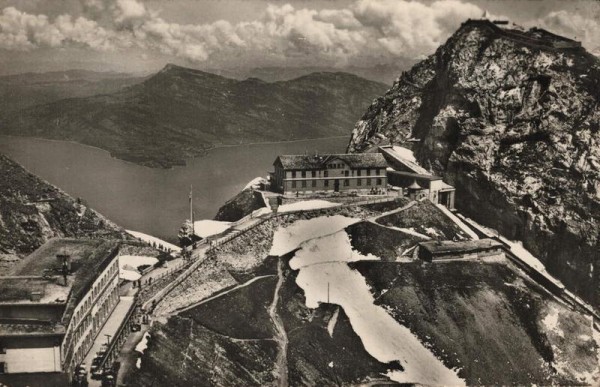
(110, 328)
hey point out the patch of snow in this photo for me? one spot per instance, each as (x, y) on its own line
(412, 231)
(150, 239)
(143, 344)
(129, 275)
(289, 238)
(517, 248)
(551, 322)
(138, 363)
(307, 205)
(458, 222)
(261, 211)
(128, 266)
(255, 183)
(332, 322)
(432, 231)
(326, 277)
(330, 364)
(206, 228)
(135, 261)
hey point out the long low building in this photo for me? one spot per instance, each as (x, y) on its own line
(54, 303)
(361, 172)
(432, 251)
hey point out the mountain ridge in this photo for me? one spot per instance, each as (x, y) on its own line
(511, 118)
(179, 113)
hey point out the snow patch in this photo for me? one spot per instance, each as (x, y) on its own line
(332, 322)
(326, 277)
(206, 228)
(289, 238)
(150, 239)
(255, 183)
(551, 322)
(129, 264)
(143, 344)
(307, 205)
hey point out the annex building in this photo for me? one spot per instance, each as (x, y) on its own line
(361, 172)
(53, 304)
(418, 182)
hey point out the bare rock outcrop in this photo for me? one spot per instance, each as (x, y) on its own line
(512, 119)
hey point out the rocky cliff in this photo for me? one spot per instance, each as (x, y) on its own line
(32, 211)
(511, 118)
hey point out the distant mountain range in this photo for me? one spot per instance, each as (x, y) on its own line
(385, 73)
(24, 90)
(179, 113)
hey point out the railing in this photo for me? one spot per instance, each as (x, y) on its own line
(119, 338)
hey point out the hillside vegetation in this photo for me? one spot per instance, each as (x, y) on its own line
(33, 211)
(179, 113)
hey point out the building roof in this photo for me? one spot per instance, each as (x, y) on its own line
(415, 186)
(89, 257)
(353, 160)
(451, 247)
(415, 175)
(396, 156)
(19, 328)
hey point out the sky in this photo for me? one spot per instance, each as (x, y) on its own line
(141, 36)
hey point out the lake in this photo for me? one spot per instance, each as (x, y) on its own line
(150, 200)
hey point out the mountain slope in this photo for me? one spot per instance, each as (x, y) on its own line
(179, 113)
(20, 91)
(32, 211)
(511, 118)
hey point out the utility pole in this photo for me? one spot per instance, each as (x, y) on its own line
(107, 340)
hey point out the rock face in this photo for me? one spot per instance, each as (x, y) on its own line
(32, 211)
(511, 118)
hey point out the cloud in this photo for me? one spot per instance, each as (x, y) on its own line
(576, 26)
(382, 29)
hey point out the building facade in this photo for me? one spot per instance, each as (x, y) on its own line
(49, 318)
(361, 172)
(420, 183)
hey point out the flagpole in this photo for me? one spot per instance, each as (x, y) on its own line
(192, 208)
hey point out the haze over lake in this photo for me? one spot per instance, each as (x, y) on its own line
(150, 200)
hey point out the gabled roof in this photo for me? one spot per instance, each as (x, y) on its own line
(353, 160)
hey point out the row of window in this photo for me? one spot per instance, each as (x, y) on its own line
(326, 183)
(326, 173)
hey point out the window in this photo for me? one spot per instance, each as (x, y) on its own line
(303, 173)
(313, 173)
(326, 173)
(294, 184)
(326, 183)
(359, 182)
(346, 173)
(377, 171)
(293, 174)
(368, 172)
(314, 183)
(358, 172)
(2, 367)
(368, 181)
(378, 181)
(346, 182)
(2, 350)
(303, 183)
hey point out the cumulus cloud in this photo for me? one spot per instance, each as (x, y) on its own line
(367, 28)
(574, 26)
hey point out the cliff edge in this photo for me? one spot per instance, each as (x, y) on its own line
(511, 118)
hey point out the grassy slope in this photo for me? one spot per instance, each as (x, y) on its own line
(483, 318)
(26, 225)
